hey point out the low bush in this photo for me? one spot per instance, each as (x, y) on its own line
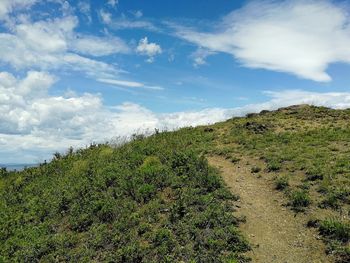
(281, 182)
(273, 166)
(335, 229)
(314, 173)
(299, 199)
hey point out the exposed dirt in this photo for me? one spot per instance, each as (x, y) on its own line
(276, 233)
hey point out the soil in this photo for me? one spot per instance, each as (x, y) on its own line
(276, 233)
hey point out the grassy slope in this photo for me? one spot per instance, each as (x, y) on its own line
(148, 201)
(156, 198)
(308, 150)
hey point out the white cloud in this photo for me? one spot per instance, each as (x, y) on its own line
(34, 124)
(297, 37)
(33, 121)
(105, 16)
(7, 6)
(98, 46)
(137, 14)
(85, 8)
(90, 67)
(46, 36)
(123, 22)
(36, 84)
(53, 44)
(148, 49)
(200, 55)
(129, 84)
(112, 3)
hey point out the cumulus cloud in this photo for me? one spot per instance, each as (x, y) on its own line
(148, 49)
(34, 124)
(298, 37)
(54, 44)
(33, 121)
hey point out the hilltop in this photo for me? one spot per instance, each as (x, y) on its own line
(281, 174)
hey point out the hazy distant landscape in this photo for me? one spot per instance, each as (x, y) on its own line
(17, 167)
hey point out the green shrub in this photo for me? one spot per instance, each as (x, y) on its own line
(335, 198)
(281, 182)
(3, 172)
(299, 199)
(330, 201)
(335, 229)
(273, 166)
(314, 174)
(146, 192)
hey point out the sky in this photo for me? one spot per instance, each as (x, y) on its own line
(76, 72)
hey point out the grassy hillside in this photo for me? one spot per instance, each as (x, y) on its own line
(156, 199)
(307, 152)
(151, 200)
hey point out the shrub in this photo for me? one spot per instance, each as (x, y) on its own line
(281, 182)
(299, 199)
(335, 229)
(330, 201)
(314, 174)
(152, 171)
(334, 198)
(273, 166)
(146, 192)
(3, 172)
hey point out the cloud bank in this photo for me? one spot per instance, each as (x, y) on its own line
(298, 37)
(34, 124)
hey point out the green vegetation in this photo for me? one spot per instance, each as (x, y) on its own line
(311, 145)
(336, 229)
(337, 233)
(299, 199)
(147, 201)
(156, 198)
(281, 182)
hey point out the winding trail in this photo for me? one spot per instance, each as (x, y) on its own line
(275, 233)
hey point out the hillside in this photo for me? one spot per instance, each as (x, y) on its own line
(150, 200)
(157, 199)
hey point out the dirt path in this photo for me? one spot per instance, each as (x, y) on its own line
(276, 234)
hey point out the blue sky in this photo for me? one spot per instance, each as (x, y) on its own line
(73, 72)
